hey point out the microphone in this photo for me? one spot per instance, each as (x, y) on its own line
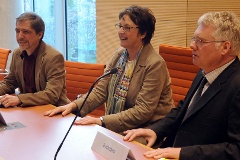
(112, 71)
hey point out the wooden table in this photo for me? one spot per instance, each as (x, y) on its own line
(42, 135)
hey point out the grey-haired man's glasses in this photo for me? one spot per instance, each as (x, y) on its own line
(201, 42)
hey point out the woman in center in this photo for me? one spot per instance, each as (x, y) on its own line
(139, 94)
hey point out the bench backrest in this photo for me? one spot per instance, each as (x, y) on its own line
(3, 60)
(182, 70)
(80, 77)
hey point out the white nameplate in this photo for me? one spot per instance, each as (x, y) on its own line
(111, 149)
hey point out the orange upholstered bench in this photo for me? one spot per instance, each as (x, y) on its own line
(80, 77)
(4, 52)
(182, 70)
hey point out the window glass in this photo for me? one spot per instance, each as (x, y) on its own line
(81, 30)
(45, 8)
(28, 5)
(80, 26)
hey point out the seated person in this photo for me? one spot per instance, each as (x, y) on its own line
(139, 94)
(205, 126)
(36, 69)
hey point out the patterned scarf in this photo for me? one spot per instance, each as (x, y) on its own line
(119, 84)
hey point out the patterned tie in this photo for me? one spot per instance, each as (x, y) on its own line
(197, 95)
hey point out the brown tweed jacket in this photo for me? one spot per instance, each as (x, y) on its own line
(49, 78)
(149, 96)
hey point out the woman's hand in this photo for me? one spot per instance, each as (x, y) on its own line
(65, 110)
(88, 120)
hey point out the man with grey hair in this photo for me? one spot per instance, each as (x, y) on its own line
(206, 124)
(37, 69)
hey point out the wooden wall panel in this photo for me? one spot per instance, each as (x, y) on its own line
(176, 21)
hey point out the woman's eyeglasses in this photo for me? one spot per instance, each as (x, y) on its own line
(125, 28)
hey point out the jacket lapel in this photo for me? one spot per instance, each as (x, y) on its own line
(146, 51)
(19, 68)
(39, 63)
(212, 90)
(207, 96)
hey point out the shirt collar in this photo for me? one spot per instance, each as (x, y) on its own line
(35, 52)
(211, 76)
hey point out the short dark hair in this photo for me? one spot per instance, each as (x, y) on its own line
(144, 18)
(36, 21)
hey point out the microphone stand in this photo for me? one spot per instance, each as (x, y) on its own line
(112, 71)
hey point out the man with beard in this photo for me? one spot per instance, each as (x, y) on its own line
(37, 69)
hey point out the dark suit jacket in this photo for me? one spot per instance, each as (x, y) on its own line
(212, 129)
